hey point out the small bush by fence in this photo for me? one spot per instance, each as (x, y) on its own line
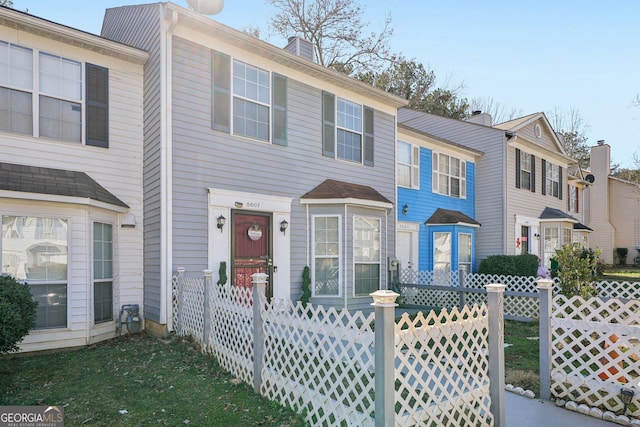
(352, 368)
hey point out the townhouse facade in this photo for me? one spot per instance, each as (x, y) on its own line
(521, 181)
(70, 176)
(258, 159)
(436, 203)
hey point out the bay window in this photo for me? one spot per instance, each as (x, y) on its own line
(102, 272)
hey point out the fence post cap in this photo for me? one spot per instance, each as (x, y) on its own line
(180, 270)
(259, 277)
(495, 287)
(207, 272)
(384, 298)
(544, 283)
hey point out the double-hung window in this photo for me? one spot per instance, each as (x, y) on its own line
(51, 105)
(464, 252)
(102, 272)
(408, 165)
(34, 250)
(449, 176)
(553, 176)
(366, 255)
(247, 100)
(347, 130)
(525, 170)
(573, 199)
(326, 255)
(441, 251)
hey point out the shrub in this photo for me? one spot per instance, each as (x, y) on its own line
(17, 313)
(306, 286)
(222, 273)
(576, 271)
(509, 265)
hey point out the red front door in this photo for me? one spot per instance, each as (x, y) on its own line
(251, 247)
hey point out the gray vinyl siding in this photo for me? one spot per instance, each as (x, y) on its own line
(203, 157)
(140, 27)
(490, 176)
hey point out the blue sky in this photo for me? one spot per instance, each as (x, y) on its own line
(527, 56)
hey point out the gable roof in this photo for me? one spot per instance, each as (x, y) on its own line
(517, 124)
(334, 191)
(57, 182)
(446, 216)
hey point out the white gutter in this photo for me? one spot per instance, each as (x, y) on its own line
(168, 19)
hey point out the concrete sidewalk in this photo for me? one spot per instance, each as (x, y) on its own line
(525, 412)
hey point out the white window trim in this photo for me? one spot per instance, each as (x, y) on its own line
(379, 262)
(436, 175)
(414, 166)
(349, 130)
(313, 256)
(551, 176)
(470, 263)
(524, 155)
(36, 93)
(114, 265)
(433, 244)
(254, 101)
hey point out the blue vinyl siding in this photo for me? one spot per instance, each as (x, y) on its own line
(423, 203)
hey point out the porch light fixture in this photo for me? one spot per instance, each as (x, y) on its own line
(221, 221)
(405, 209)
(626, 395)
(283, 226)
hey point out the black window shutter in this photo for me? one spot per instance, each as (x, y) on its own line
(533, 173)
(559, 182)
(279, 117)
(544, 177)
(221, 93)
(517, 168)
(328, 124)
(368, 136)
(97, 111)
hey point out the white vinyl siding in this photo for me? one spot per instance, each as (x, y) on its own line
(408, 166)
(449, 176)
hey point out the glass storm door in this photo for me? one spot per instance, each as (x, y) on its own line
(251, 248)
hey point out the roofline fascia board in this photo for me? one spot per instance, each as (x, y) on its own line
(464, 224)
(440, 142)
(245, 41)
(33, 24)
(54, 198)
(573, 221)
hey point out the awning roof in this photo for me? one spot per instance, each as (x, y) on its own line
(332, 191)
(446, 217)
(58, 182)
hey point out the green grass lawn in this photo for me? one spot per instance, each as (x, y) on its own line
(166, 383)
(522, 358)
(627, 273)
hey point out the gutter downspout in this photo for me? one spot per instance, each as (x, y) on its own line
(168, 19)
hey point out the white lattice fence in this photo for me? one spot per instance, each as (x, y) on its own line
(188, 306)
(615, 289)
(595, 351)
(442, 376)
(320, 361)
(230, 337)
